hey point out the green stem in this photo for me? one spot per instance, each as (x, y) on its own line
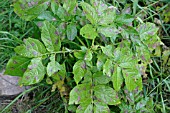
(81, 41)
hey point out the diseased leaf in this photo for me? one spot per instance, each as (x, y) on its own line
(106, 14)
(99, 78)
(79, 70)
(34, 73)
(108, 50)
(70, 6)
(132, 79)
(85, 108)
(61, 74)
(117, 78)
(63, 14)
(81, 94)
(108, 31)
(101, 59)
(53, 66)
(165, 56)
(108, 68)
(124, 19)
(90, 12)
(17, 65)
(32, 48)
(30, 10)
(147, 29)
(71, 31)
(106, 94)
(88, 32)
(101, 108)
(46, 15)
(54, 6)
(88, 56)
(49, 37)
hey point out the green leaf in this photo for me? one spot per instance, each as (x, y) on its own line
(30, 10)
(101, 59)
(106, 95)
(54, 6)
(90, 12)
(108, 50)
(88, 56)
(32, 48)
(71, 31)
(81, 94)
(17, 65)
(79, 54)
(88, 32)
(79, 70)
(46, 15)
(108, 68)
(85, 108)
(108, 31)
(117, 78)
(50, 38)
(34, 73)
(53, 66)
(99, 78)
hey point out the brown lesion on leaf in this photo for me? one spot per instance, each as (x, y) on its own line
(15, 62)
(56, 41)
(84, 65)
(23, 69)
(12, 68)
(33, 44)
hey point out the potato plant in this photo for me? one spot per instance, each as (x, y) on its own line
(92, 48)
